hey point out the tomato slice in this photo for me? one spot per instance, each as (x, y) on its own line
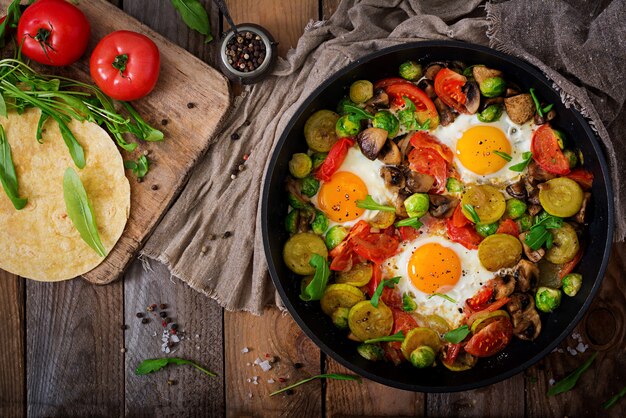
(408, 233)
(423, 139)
(448, 87)
(481, 299)
(334, 159)
(376, 247)
(377, 275)
(508, 226)
(451, 352)
(429, 161)
(390, 81)
(402, 321)
(465, 235)
(342, 253)
(459, 220)
(420, 99)
(583, 177)
(490, 308)
(546, 151)
(568, 267)
(491, 339)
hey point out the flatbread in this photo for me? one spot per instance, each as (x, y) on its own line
(40, 241)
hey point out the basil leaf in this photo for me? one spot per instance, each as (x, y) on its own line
(414, 222)
(154, 365)
(408, 304)
(503, 155)
(614, 398)
(8, 177)
(360, 113)
(398, 336)
(470, 209)
(195, 16)
(370, 204)
(457, 335)
(441, 295)
(379, 289)
(80, 211)
(315, 289)
(336, 376)
(570, 381)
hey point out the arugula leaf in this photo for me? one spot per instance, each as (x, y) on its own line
(398, 336)
(408, 304)
(414, 222)
(80, 211)
(336, 376)
(379, 289)
(527, 158)
(470, 209)
(614, 399)
(547, 108)
(423, 127)
(541, 111)
(12, 17)
(357, 111)
(370, 204)
(538, 235)
(503, 155)
(42, 120)
(195, 16)
(315, 289)
(457, 335)
(441, 295)
(570, 380)
(3, 106)
(8, 177)
(140, 128)
(155, 364)
(140, 167)
(406, 116)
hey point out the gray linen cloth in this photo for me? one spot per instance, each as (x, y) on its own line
(211, 237)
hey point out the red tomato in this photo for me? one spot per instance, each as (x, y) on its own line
(408, 233)
(420, 99)
(376, 247)
(481, 299)
(402, 321)
(546, 151)
(429, 161)
(334, 159)
(462, 231)
(342, 253)
(53, 32)
(423, 139)
(568, 267)
(459, 220)
(125, 65)
(448, 86)
(451, 352)
(491, 339)
(490, 308)
(390, 81)
(583, 177)
(377, 275)
(508, 226)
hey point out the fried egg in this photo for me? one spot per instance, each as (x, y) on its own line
(473, 144)
(354, 180)
(431, 266)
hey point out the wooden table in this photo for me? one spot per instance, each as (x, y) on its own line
(66, 353)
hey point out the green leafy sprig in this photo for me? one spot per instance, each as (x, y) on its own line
(413, 221)
(457, 335)
(506, 157)
(570, 380)
(470, 209)
(155, 364)
(8, 177)
(315, 289)
(336, 376)
(538, 235)
(397, 337)
(614, 399)
(540, 110)
(526, 159)
(390, 283)
(140, 167)
(195, 16)
(443, 296)
(371, 204)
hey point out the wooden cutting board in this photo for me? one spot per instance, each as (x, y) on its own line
(188, 104)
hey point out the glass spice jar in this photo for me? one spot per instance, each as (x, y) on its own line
(248, 55)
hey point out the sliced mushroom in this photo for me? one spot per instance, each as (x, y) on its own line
(517, 190)
(379, 99)
(534, 209)
(533, 196)
(580, 216)
(532, 255)
(537, 174)
(390, 153)
(428, 86)
(526, 320)
(418, 182)
(399, 204)
(526, 275)
(446, 114)
(371, 141)
(432, 69)
(481, 73)
(473, 97)
(520, 108)
(442, 206)
(490, 101)
(503, 286)
(405, 144)
(393, 177)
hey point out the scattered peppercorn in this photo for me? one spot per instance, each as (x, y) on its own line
(247, 123)
(204, 249)
(139, 314)
(212, 237)
(282, 379)
(234, 136)
(164, 122)
(298, 365)
(124, 327)
(233, 176)
(163, 306)
(145, 320)
(245, 51)
(151, 307)
(191, 105)
(227, 234)
(163, 314)
(155, 187)
(171, 382)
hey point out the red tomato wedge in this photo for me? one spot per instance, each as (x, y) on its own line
(546, 151)
(342, 253)
(448, 87)
(429, 161)
(481, 299)
(459, 220)
(423, 139)
(491, 339)
(420, 99)
(462, 231)
(568, 267)
(390, 81)
(451, 352)
(376, 247)
(334, 159)
(402, 321)
(490, 308)
(408, 233)
(583, 177)
(508, 226)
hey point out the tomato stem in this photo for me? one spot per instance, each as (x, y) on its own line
(42, 37)
(120, 63)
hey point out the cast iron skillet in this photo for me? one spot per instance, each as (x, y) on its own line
(519, 354)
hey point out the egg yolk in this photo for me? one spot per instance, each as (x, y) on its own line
(476, 149)
(434, 268)
(337, 197)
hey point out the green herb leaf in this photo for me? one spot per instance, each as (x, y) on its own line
(527, 158)
(315, 289)
(503, 155)
(390, 283)
(423, 127)
(8, 177)
(538, 235)
(3, 106)
(357, 111)
(195, 16)
(10, 21)
(441, 295)
(541, 111)
(614, 398)
(570, 381)
(140, 128)
(370, 204)
(80, 211)
(408, 304)
(140, 167)
(414, 222)
(155, 364)
(406, 116)
(398, 336)
(470, 209)
(42, 120)
(547, 108)
(335, 376)
(457, 335)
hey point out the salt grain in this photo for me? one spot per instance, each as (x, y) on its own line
(572, 351)
(265, 365)
(174, 338)
(270, 381)
(551, 382)
(248, 380)
(582, 347)
(245, 350)
(258, 360)
(250, 395)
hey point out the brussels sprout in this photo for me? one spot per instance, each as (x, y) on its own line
(347, 126)
(340, 107)
(525, 222)
(493, 87)
(547, 299)
(335, 235)
(408, 303)
(417, 205)
(361, 91)
(371, 352)
(490, 114)
(571, 157)
(320, 223)
(410, 70)
(296, 202)
(318, 158)
(387, 121)
(572, 283)
(453, 185)
(300, 165)
(484, 230)
(423, 356)
(310, 186)
(291, 221)
(340, 317)
(560, 138)
(515, 208)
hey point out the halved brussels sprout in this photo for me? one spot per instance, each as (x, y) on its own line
(310, 186)
(361, 91)
(340, 317)
(347, 126)
(515, 208)
(320, 223)
(335, 235)
(371, 352)
(386, 120)
(417, 205)
(410, 70)
(422, 357)
(490, 114)
(493, 87)
(300, 165)
(572, 283)
(547, 299)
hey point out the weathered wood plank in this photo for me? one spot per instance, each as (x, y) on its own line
(12, 356)
(74, 341)
(200, 329)
(604, 330)
(277, 335)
